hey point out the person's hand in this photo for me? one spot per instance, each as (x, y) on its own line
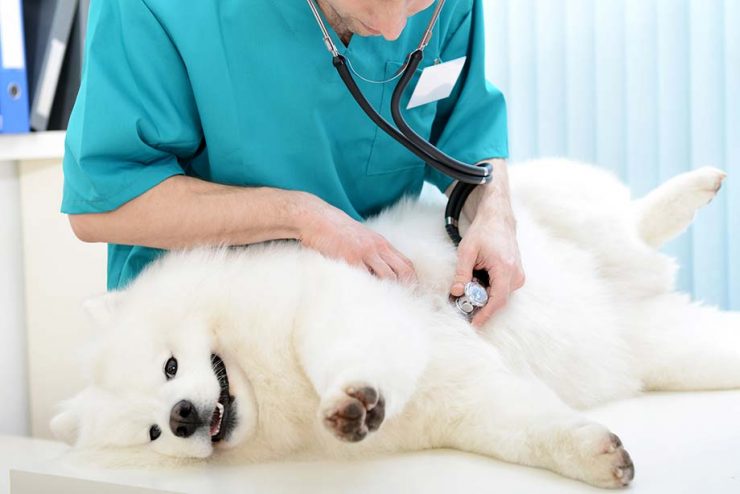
(490, 245)
(338, 236)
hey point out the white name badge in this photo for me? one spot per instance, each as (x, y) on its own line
(436, 82)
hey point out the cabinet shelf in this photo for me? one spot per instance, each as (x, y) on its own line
(32, 146)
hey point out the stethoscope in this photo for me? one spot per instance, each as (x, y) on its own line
(468, 176)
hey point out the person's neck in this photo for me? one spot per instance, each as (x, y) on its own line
(335, 21)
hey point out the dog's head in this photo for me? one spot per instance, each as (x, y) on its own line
(160, 380)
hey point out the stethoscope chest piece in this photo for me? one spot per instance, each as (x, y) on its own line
(474, 297)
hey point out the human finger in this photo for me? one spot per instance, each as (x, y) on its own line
(400, 264)
(464, 271)
(498, 297)
(380, 268)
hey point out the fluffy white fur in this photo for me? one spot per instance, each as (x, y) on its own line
(597, 320)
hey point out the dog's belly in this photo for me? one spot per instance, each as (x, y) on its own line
(566, 325)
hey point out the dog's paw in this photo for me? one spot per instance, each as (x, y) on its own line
(603, 460)
(670, 209)
(700, 186)
(358, 410)
(612, 457)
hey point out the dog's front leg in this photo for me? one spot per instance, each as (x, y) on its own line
(363, 357)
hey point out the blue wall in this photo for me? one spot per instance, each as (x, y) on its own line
(646, 88)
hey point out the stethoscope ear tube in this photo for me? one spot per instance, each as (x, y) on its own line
(412, 141)
(340, 63)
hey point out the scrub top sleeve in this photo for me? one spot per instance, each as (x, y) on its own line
(470, 125)
(135, 116)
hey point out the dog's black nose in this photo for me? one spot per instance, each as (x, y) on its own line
(184, 419)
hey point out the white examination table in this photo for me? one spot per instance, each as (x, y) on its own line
(680, 443)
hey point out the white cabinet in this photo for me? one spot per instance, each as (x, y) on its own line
(45, 274)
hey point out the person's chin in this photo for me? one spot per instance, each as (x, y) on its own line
(363, 29)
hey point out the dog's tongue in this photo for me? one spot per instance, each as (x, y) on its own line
(218, 413)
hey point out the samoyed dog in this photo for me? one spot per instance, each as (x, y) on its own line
(274, 351)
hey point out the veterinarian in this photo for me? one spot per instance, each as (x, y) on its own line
(205, 123)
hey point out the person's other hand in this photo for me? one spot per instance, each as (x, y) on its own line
(335, 234)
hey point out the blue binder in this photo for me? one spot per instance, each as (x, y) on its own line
(14, 111)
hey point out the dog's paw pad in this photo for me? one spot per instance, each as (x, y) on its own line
(598, 457)
(373, 403)
(358, 411)
(623, 469)
(614, 460)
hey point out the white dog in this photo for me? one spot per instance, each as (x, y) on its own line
(273, 350)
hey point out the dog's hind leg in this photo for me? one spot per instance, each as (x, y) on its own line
(684, 346)
(481, 407)
(668, 210)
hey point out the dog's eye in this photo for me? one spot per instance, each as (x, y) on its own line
(154, 432)
(170, 368)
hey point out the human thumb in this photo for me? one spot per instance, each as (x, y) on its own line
(464, 271)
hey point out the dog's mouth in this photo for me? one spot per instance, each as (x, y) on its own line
(223, 419)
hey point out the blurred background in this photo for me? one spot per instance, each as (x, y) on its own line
(645, 88)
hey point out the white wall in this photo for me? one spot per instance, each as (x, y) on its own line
(60, 273)
(13, 368)
(45, 274)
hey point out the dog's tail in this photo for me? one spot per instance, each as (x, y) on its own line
(668, 210)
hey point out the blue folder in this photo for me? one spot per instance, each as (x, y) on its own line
(14, 111)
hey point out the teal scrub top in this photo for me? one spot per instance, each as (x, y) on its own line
(244, 93)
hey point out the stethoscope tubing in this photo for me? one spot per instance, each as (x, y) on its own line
(468, 176)
(411, 141)
(405, 135)
(473, 174)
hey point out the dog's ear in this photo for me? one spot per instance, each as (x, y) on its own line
(66, 424)
(101, 308)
